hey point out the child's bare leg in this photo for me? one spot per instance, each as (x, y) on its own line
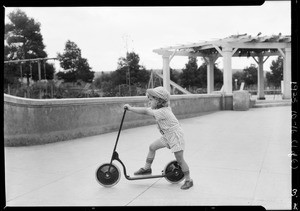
(184, 166)
(151, 154)
(185, 169)
(150, 157)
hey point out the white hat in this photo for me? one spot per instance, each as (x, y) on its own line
(159, 92)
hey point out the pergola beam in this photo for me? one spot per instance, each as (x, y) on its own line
(218, 49)
(246, 45)
(267, 45)
(178, 53)
(198, 54)
(173, 54)
(233, 52)
(276, 53)
(255, 60)
(265, 59)
(281, 52)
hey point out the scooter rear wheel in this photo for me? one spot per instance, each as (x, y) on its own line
(173, 172)
(108, 175)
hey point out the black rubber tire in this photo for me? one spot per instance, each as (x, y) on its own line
(177, 175)
(108, 175)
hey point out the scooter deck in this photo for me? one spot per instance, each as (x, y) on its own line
(144, 177)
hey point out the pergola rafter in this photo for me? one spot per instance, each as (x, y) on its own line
(242, 45)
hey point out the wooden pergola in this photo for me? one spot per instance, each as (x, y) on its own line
(260, 48)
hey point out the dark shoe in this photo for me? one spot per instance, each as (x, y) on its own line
(143, 171)
(187, 185)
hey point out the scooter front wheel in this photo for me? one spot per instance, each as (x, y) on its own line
(173, 172)
(108, 175)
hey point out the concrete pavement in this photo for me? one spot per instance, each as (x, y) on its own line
(235, 158)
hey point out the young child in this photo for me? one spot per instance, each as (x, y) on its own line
(168, 125)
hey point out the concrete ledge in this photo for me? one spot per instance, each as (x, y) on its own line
(275, 104)
(33, 121)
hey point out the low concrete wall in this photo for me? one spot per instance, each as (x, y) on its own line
(32, 121)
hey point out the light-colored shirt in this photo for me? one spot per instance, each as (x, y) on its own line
(165, 119)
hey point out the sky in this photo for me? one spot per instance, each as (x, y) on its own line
(104, 34)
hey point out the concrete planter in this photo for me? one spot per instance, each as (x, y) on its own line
(241, 100)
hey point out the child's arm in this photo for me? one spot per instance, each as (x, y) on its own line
(139, 110)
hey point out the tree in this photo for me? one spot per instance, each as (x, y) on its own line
(76, 67)
(117, 82)
(276, 75)
(250, 75)
(188, 75)
(84, 72)
(201, 77)
(174, 76)
(218, 77)
(23, 40)
(192, 76)
(130, 71)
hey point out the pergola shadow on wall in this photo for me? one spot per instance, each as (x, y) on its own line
(260, 48)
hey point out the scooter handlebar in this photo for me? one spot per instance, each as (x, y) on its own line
(125, 107)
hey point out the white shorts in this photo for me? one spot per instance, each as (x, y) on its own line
(173, 140)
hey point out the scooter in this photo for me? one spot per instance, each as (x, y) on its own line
(108, 174)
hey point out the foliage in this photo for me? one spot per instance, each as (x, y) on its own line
(174, 76)
(276, 75)
(250, 75)
(189, 73)
(196, 78)
(202, 76)
(130, 71)
(76, 67)
(23, 40)
(218, 77)
(130, 76)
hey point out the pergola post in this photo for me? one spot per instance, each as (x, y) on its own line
(39, 70)
(260, 79)
(210, 61)
(287, 74)
(227, 71)
(166, 72)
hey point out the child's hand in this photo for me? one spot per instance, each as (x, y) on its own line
(127, 106)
